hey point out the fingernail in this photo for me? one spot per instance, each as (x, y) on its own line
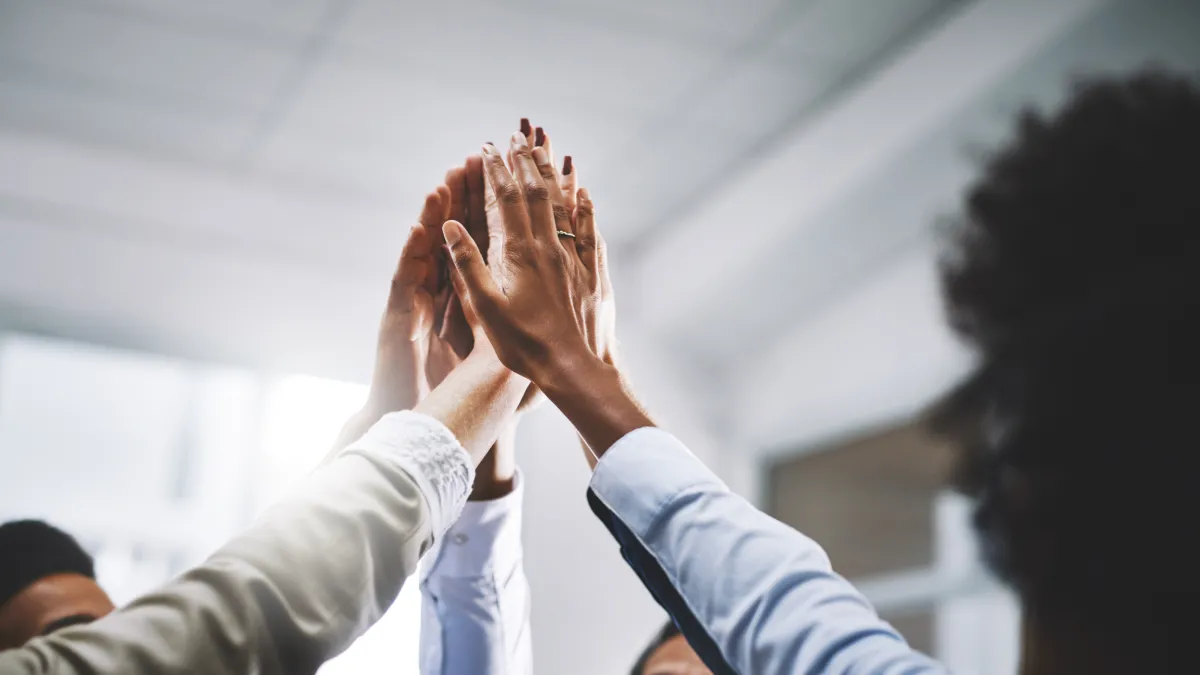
(525, 128)
(584, 194)
(518, 140)
(539, 137)
(451, 232)
(489, 149)
(567, 165)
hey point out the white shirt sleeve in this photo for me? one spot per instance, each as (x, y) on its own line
(297, 587)
(475, 600)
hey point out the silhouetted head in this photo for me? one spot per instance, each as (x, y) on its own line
(669, 654)
(1074, 274)
(47, 582)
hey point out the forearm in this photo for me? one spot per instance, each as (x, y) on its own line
(475, 401)
(594, 397)
(495, 474)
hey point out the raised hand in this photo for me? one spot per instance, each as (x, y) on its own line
(540, 300)
(530, 299)
(417, 345)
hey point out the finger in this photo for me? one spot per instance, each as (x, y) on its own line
(470, 275)
(411, 270)
(534, 190)
(476, 213)
(465, 310)
(548, 144)
(562, 215)
(528, 133)
(456, 332)
(454, 199)
(542, 140)
(433, 210)
(443, 193)
(586, 242)
(456, 184)
(504, 199)
(568, 182)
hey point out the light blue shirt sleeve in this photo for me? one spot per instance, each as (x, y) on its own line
(475, 601)
(752, 595)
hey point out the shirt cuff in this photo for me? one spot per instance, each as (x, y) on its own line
(643, 472)
(430, 454)
(485, 538)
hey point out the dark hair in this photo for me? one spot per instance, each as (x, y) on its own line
(1074, 274)
(33, 550)
(668, 631)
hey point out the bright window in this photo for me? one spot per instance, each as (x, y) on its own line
(303, 415)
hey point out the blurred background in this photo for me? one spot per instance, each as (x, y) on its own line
(201, 204)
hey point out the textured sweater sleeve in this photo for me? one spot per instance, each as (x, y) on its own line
(297, 587)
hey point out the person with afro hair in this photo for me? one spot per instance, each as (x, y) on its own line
(47, 582)
(1074, 274)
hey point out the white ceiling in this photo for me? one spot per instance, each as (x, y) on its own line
(374, 98)
(848, 237)
(231, 179)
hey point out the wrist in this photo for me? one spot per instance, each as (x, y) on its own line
(566, 369)
(495, 477)
(594, 396)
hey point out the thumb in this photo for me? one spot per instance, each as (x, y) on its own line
(471, 278)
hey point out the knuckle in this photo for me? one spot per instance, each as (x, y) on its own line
(520, 253)
(561, 212)
(585, 241)
(509, 193)
(536, 192)
(461, 256)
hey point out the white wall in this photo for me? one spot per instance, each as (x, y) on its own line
(877, 354)
(591, 615)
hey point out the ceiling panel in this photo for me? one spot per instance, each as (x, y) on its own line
(658, 101)
(846, 32)
(713, 24)
(109, 50)
(495, 46)
(759, 96)
(202, 134)
(370, 128)
(284, 19)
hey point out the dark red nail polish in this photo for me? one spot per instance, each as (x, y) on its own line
(567, 165)
(525, 127)
(539, 138)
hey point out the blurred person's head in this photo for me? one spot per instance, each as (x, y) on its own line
(47, 582)
(1074, 274)
(669, 654)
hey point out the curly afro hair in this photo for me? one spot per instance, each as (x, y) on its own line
(1074, 274)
